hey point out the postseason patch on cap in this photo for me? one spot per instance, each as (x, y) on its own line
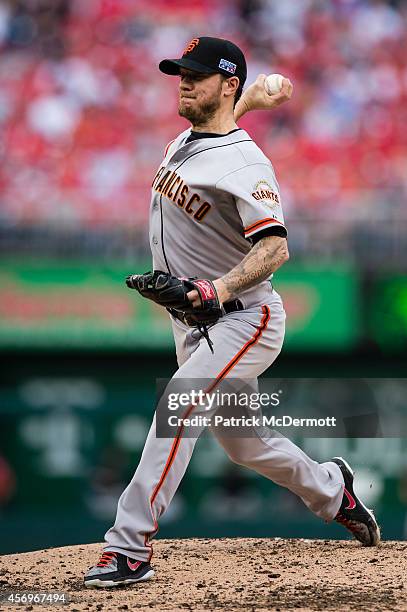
(228, 66)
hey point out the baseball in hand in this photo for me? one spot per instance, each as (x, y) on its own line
(273, 83)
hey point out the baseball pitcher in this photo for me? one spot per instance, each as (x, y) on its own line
(217, 235)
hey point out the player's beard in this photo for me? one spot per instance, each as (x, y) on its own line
(201, 114)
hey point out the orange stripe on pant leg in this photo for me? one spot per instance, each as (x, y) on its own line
(175, 445)
(255, 338)
(249, 344)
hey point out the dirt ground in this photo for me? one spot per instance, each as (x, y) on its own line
(225, 574)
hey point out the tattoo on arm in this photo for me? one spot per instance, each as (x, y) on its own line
(267, 255)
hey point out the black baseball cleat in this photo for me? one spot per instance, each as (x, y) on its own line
(115, 569)
(353, 514)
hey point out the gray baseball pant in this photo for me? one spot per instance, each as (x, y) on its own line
(245, 343)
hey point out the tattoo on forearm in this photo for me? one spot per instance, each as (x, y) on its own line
(264, 258)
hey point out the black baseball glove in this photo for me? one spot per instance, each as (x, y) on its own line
(171, 292)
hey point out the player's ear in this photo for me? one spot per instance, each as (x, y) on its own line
(232, 85)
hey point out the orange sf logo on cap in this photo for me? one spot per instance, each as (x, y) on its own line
(194, 42)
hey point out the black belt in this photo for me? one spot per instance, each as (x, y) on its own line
(232, 306)
(228, 307)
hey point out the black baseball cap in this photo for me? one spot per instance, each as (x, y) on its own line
(210, 56)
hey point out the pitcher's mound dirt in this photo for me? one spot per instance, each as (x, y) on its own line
(226, 574)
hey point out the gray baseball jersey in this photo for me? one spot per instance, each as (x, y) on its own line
(212, 198)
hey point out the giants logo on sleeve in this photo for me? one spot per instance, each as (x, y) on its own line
(263, 192)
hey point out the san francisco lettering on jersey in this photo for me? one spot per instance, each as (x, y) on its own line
(171, 185)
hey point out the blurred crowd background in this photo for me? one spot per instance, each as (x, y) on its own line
(85, 116)
(81, 94)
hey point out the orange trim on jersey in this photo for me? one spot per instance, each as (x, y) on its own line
(178, 436)
(168, 146)
(261, 223)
